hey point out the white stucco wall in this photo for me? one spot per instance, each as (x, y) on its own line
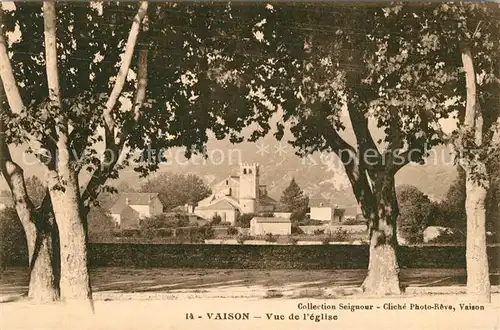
(275, 228)
(116, 218)
(321, 213)
(156, 206)
(143, 210)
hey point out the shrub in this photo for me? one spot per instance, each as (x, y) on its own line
(270, 238)
(296, 230)
(164, 232)
(12, 238)
(340, 235)
(195, 234)
(354, 221)
(232, 231)
(165, 220)
(242, 238)
(311, 222)
(243, 220)
(319, 231)
(326, 239)
(292, 240)
(127, 233)
(216, 219)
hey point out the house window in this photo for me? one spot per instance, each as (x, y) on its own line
(249, 171)
(227, 182)
(230, 191)
(244, 171)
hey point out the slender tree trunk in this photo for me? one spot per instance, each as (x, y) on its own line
(41, 235)
(381, 211)
(43, 252)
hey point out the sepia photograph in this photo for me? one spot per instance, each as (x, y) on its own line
(250, 165)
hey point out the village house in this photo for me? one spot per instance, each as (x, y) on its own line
(237, 195)
(270, 225)
(130, 208)
(326, 210)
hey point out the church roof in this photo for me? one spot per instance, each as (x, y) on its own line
(219, 205)
(266, 200)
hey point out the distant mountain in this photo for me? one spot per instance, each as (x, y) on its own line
(318, 175)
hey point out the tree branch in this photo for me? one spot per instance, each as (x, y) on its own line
(122, 73)
(364, 138)
(9, 82)
(12, 172)
(100, 176)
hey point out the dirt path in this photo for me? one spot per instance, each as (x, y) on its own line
(164, 280)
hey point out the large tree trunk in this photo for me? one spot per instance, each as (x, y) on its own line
(381, 211)
(75, 280)
(478, 282)
(477, 184)
(64, 188)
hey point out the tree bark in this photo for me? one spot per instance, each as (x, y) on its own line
(381, 210)
(477, 184)
(75, 280)
(478, 282)
(43, 252)
(63, 185)
(41, 235)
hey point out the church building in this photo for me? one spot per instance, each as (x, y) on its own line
(237, 195)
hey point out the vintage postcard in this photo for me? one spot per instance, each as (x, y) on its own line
(249, 165)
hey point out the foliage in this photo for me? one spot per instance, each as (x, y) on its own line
(294, 200)
(293, 240)
(414, 212)
(310, 222)
(340, 235)
(319, 231)
(164, 220)
(36, 189)
(195, 234)
(326, 239)
(243, 237)
(100, 224)
(232, 231)
(244, 219)
(354, 221)
(270, 238)
(216, 219)
(296, 230)
(12, 237)
(175, 189)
